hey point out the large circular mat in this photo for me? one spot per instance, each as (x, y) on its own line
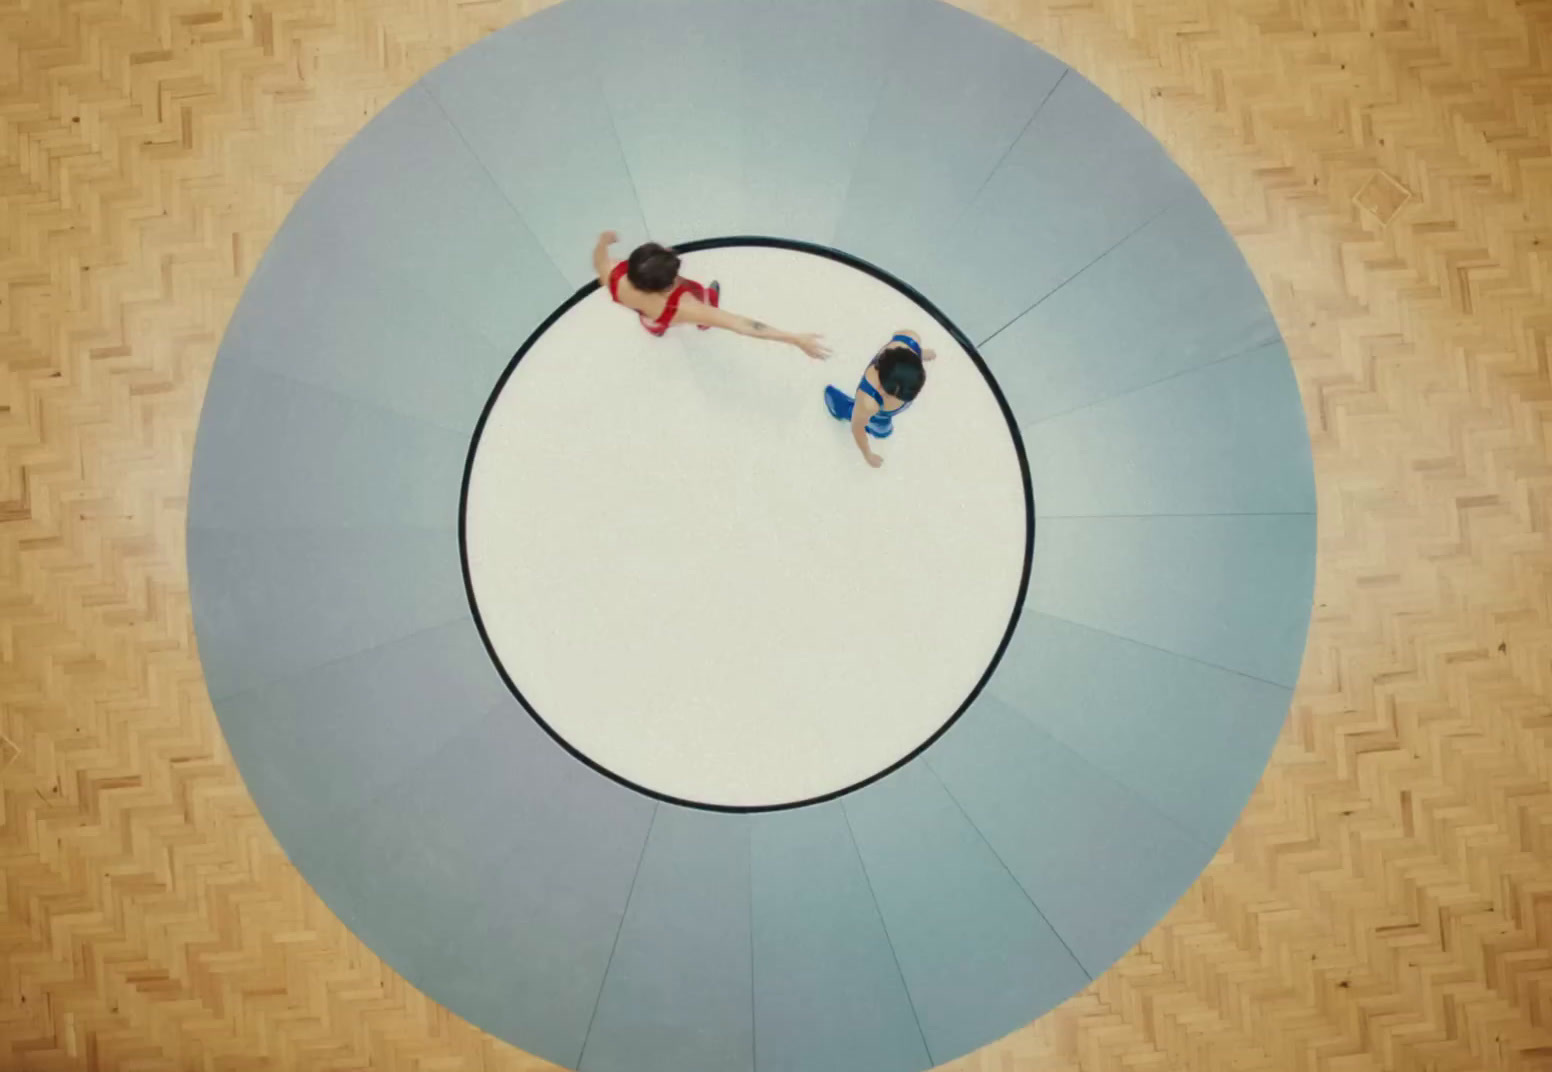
(678, 572)
(945, 841)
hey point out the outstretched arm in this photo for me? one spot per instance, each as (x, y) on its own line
(601, 264)
(697, 312)
(862, 411)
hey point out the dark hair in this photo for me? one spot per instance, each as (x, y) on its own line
(652, 267)
(900, 371)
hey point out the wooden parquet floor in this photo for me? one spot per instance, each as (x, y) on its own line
(1386, 900)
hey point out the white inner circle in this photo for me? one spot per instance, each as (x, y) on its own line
(690, 573)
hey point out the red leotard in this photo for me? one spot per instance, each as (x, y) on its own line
(670, 307)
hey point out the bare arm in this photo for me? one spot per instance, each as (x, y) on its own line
(601, 264)
(862, 412)
(927, 352)
(698, 312)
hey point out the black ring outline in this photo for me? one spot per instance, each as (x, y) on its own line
(797, 246)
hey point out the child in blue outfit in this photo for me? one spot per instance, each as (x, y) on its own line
(889, 384)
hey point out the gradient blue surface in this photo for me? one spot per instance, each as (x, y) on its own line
(271, 604)
(1189, 737)
(937, 133)
(679, 990)
(977, 954)
(829, 994)
(956, 899)
(1103, 865)
(560, 167)
(1224, 438)
(1189, 300)
(1079, 152)
(362, 330)
(809, 101)
(510, 922)
(673, 81)
(281, 454)
(409, 191)
(1229, 590)
(377, 713)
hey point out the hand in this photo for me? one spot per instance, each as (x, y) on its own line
(811, 345)
(608, 238)
(875, 460)
(928, 354)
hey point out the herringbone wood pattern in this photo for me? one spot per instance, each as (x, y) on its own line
(1385, 902)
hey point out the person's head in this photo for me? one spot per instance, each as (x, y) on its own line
(900, 371)
(652, 267)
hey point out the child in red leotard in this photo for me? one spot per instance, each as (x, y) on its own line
(649, 284)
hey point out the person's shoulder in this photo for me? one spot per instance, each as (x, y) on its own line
(625, 292)
(692, 308)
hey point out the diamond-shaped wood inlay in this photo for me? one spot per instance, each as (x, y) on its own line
(1382, 197)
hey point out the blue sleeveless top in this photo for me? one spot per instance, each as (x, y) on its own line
(881, 424)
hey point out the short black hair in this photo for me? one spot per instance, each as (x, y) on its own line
(900, 371)
(652, 267)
